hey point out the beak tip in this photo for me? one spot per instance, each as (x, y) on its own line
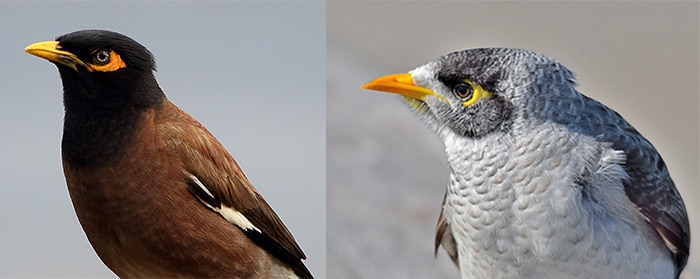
(28, 48)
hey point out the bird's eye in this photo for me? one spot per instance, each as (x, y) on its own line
(106, 60)
(463, 91)
(101, 57)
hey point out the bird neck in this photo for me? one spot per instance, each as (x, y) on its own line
(97, 132)
(100, 122)
(94, 139)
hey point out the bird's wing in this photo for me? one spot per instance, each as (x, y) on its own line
(444, 237)
(217, 181)
(651, 189)
(649, 185)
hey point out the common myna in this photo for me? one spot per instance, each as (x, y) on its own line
(156, 194)
(545, 182)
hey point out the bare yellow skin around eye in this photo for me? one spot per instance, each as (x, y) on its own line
(115, 63)
(479, 93)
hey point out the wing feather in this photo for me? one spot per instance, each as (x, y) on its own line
(649, 186)
(226, 186)
(444, 237)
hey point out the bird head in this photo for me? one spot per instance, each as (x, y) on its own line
(476, 92)
(101, 66)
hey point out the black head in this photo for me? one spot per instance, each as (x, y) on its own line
(87, 44)
(101, 68)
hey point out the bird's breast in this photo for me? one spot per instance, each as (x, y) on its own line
(516, 208)
(143, 221)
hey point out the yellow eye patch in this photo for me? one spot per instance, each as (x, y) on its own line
(477, 94)
(106, 61)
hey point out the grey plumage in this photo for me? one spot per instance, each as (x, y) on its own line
(545, 182)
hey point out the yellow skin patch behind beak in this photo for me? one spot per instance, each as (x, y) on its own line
(479, 93)
(51, 50)
(402, 84)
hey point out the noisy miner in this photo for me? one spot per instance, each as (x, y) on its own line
(545, 182)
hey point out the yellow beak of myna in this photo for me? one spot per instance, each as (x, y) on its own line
(402, 84)
(51, 50)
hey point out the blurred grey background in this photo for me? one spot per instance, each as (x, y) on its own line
(252, 73)
(386, 171)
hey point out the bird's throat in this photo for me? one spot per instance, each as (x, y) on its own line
(95, 137)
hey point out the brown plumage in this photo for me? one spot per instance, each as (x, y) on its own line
(157, 195)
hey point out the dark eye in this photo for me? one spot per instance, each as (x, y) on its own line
(101, 57)
(463, 91)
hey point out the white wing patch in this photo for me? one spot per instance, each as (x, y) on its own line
(204, 188)
(237, 218)
(234, 216)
